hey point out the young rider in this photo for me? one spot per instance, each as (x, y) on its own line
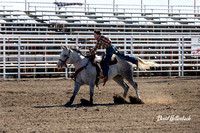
(106, 43)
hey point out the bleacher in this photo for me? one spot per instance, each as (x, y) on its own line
(47, 19)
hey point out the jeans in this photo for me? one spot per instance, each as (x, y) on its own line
(113, 50)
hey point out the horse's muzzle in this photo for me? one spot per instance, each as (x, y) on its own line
(59, 65)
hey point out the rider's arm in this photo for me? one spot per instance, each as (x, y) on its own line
(98, 44)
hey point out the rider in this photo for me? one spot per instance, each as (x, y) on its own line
(106, 43)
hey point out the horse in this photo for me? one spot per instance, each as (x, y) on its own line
(87, 75)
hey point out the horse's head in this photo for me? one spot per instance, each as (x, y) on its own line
(69, 56)
(65, 57)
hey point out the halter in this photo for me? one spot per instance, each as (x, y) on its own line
(67, 57)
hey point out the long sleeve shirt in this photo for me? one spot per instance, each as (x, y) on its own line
(102, 41)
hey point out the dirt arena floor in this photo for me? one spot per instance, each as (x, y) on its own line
(172, 104)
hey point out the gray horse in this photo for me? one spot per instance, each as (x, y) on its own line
(118, 72)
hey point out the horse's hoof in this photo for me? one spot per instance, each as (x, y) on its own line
(119, 100)
(86, 102)
(68, 104)
(135, 100)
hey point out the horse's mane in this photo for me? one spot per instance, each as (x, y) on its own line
(78, 51)
(87, 56)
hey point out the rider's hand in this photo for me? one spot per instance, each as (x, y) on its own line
(90, 49)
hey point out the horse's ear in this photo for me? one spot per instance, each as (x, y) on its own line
(72, 47)
(64, 47)
(79, 48)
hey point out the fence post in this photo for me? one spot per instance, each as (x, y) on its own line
(132, 54)
(85, 6)
(28, 6)
(125, 46)
(76, 41)
(4, 58)
(182, 55)
(179, 57)
(66, 72)
(19, 41)
(131, 45)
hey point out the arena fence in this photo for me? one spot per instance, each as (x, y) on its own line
(23, 56)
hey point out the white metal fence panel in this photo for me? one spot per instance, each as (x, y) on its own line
(36, 56)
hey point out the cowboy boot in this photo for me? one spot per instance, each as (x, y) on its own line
(101, 77)
(105, 80)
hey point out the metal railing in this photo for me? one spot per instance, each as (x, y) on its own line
(36, 56)
(29, 6)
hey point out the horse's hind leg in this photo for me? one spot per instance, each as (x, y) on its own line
(129, 78)
(120, 81)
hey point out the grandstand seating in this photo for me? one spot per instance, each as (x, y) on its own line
(46, 19)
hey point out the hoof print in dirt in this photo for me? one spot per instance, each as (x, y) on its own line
(119, 100)
(135, 100)
(85, 102)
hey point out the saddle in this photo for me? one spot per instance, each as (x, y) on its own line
(97, 61)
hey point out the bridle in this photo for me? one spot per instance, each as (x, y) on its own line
(67, 57)
(77, 71)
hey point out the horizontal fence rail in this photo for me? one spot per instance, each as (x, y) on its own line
(23, 56)
(28, 6)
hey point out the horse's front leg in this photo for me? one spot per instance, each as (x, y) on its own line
(76, 89)
(91, 93)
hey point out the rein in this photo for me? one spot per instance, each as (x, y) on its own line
(78, 71)
(64, 62)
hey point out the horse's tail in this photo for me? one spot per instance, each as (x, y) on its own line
(144, 65)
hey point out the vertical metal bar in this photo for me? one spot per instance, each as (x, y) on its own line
(168, 5)
(194, 6)
(183, 56)
(141, 6)
(66, 41)
(172, 9)
(55, 5)
(19, 42)
(131, 45)
(66, 71)
(76, 41)
(28, 6)
(25, 49)
(125, 46)
(34, 75)
(113, 6)
(85, 5)
(88, 8)
(179, 57)
(4, 58)
(25, 5)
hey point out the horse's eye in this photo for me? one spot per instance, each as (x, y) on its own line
(65, 55)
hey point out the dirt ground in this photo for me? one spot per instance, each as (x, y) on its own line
(172, 104)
